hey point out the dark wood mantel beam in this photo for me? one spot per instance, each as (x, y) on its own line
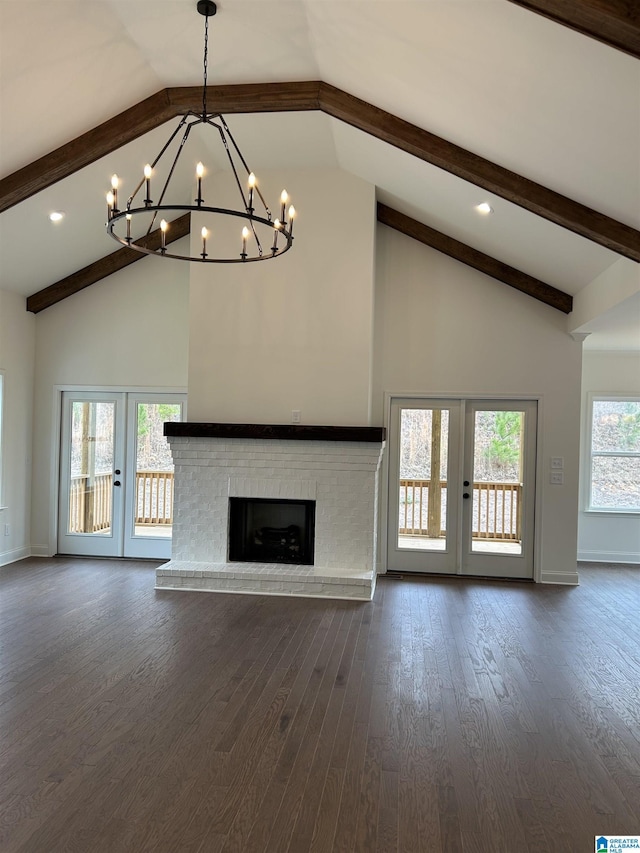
(473, 258)
(614, 22)
(127, 126)
(104, 267)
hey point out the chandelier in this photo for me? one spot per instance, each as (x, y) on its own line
(261, 236)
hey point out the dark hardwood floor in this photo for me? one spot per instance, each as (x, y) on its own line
(445, 715)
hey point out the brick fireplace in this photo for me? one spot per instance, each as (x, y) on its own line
(336, 468)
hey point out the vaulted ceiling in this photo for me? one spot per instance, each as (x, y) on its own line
(441, 104)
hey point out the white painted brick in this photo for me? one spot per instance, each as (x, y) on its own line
(340, 476)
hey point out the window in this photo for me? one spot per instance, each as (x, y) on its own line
(615, 454)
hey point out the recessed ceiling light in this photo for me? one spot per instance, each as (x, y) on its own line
(484, 208)
(56, 215)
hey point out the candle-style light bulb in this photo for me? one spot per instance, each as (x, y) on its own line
(284, 198)
(147, 177)
(252, 183)
(245, 237)
(292, 216)
(199, 174)
(110, 201)
(276, 228)
(204, 234)
(128, 218)
(114, 188)
(163, 235)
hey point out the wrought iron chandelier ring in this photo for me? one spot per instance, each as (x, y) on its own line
(164, 236)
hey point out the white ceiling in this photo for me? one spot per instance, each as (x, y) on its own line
(533, 96)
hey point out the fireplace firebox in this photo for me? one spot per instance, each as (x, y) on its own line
(271, 530)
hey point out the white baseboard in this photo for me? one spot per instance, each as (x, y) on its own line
(566, 578)
(14, 555)
(40, 551)
(608, 557)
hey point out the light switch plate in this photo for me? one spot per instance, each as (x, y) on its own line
(557, 462)
(557, 478)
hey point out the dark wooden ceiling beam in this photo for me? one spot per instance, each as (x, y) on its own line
(473, 258)
(576, 217)
(247, 98)
(620, 238)
(85, 149)
(180, 227)
(614, 22)
(145, 116)
(106, 266)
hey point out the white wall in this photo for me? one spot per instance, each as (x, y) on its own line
(602, 536)
(128, 331)
(293, 333)
(442, 328)
(17, 349)
(615, 285)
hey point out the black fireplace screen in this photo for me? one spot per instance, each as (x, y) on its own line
(266, 530)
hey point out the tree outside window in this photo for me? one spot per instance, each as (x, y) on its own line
(615, 454)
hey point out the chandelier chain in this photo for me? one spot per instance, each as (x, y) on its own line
(205, 58)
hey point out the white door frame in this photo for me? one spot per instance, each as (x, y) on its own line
(484, 561)
(539, 466)
(93, 544)
(55, 443)
(141, 546)
(441, 561)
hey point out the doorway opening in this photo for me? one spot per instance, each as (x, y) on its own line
(462, 486)
(116, 474)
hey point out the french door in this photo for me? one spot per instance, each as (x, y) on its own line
(462, 486)
(116, 474)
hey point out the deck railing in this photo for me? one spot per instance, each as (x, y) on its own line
(496, 509)
(154, 497)
(90, 501)
(496, 506)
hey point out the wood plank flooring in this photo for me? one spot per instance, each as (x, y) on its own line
(445, 716)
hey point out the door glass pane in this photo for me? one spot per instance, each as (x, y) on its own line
(498, 443)
(153, 504)
(424, 442)
(91, 469)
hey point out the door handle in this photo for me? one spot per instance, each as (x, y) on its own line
(466, 482)
(117, 471)
(117, 483)
(466, 496)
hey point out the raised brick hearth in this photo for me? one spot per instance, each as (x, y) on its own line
(337, 467)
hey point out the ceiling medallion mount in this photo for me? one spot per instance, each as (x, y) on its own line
(207, 8)
(262, 237)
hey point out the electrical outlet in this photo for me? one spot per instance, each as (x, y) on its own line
(295, 416)
(557, 462)
(557, 478)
